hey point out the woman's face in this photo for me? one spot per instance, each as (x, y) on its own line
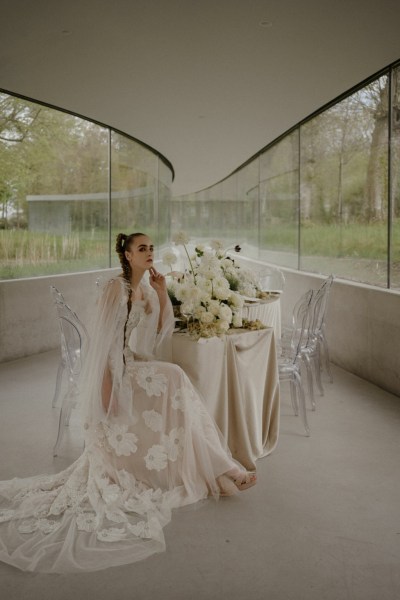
(140, 253)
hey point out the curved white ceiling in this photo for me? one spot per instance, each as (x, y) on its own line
(207, 83)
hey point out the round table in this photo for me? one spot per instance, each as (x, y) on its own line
(267, 311)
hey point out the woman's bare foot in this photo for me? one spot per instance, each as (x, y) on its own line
(236, 480)
(245, 480)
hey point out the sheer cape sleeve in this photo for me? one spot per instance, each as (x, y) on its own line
(106, 349)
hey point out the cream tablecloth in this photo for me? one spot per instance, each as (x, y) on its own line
(237, 376)
(267, 311)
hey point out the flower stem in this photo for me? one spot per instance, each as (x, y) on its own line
(190, 262)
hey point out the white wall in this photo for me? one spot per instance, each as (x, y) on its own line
(363, 327)
(28, 321)
(363, 323)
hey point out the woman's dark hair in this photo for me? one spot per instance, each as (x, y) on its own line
(124, 243)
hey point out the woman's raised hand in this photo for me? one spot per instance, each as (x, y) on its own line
(157, 281)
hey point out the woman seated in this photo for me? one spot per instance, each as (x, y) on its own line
(150, 444)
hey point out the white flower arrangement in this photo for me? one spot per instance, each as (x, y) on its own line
(210, 292)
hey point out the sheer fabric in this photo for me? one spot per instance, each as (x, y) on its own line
(150, 446)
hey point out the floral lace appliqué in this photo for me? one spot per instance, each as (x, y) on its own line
(153, 420)
(181, 399)
(86, 522)
(121, 441)
(152, 382)
(174, 442)
(141, 529)
(44, 525)
(156, 458)
(112, 534)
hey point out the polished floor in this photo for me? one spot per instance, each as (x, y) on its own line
(323, 522)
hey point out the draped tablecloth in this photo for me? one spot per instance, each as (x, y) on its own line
(267, 311)
(237, 376)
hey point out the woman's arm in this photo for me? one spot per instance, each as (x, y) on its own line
(158, 283)
(106, 389)
(107, 396)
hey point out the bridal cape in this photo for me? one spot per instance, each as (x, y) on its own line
(157, 448)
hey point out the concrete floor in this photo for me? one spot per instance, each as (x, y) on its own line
(323, 523)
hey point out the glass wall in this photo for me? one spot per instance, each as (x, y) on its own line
(56, 174)
(324, 198)
(279, 202)
(344, 187)
(395, 182)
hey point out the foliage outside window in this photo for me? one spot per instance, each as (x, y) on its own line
(324, 198)
(55, 190)
(327, 193)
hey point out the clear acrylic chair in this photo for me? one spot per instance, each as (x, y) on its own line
(271, 279)
(74, 338)
(319, 327)
(316, 346)
(290, 364)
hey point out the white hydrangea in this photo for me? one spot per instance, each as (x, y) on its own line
(213, 307)
(223, 326)
(225, 313)
(221, 289)
(237, 320)
(198, 311)
(235, 300)
(207, 317)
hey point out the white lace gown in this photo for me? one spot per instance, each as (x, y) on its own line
(157, 449)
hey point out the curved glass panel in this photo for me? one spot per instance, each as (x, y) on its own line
(279, 201)
(344, 179)
(55, 183)
(395, 181)
(324, 198)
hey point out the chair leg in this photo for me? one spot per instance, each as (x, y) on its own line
(308, 366)
(327, 361)
(293, 397)
(316, 362)
(60, 372)
(63, 421)
(302, 402)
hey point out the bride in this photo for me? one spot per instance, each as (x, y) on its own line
(150, 444)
